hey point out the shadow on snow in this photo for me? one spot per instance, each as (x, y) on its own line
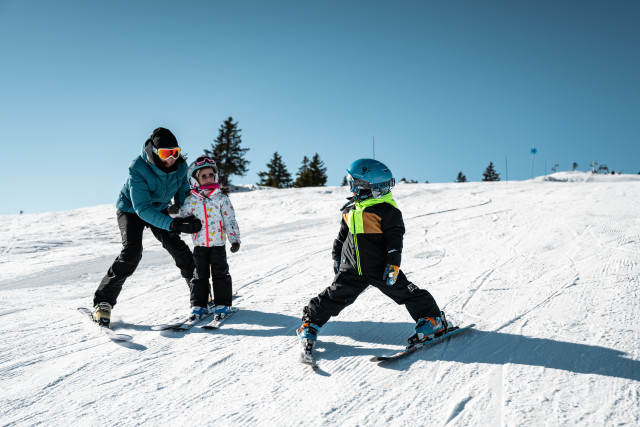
(475, 346)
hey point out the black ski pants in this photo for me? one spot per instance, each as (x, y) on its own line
(346, 287)
(131, 229)
(211, 262)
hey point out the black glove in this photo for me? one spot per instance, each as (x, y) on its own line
(336, 266)
(235, 246)
(190, 225)
(173, 210)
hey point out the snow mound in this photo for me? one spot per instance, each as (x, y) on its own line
(578, 176)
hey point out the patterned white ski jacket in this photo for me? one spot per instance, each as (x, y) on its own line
(216, 213)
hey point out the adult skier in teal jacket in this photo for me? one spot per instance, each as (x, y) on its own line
(156, 177)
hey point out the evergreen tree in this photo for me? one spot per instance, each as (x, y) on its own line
(490, 173)
(311, 173)
(276, 175)
(228, 154)
(305, 178)
(318, 172)
(346, 183)
(461, 177)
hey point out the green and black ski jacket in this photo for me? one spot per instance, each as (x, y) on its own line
(370, 237)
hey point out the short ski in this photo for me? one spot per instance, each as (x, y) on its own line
(187, 323)
(411, 348)
(217, 322)
(112, 335)
(184, 324)
(306, 356)
(170, 326)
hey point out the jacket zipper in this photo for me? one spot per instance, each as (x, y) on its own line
(206, 221)
(355, 242)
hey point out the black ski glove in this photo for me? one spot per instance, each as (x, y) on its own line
(189, 225)
(336, 266)
(235, 246)
(173, 210)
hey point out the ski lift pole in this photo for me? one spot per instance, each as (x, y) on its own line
(534, 150)
(374, 147)
(506, 167)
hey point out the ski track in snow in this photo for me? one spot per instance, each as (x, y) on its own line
(549, 272)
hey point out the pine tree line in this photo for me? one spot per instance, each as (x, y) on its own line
(489, 174)
(312, 173)
(229, 156)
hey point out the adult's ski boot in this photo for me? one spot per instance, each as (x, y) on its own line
(102, 314)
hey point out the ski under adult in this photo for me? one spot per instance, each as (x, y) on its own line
(109, 333)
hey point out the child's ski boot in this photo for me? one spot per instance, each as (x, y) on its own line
(198, 313)
(221, 311)
(428, 328)
(307, 334)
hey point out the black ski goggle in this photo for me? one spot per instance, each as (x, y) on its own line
(356, 184)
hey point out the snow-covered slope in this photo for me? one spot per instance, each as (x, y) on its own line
(547, 270)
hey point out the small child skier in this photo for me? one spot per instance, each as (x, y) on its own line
(214, 209)
(366, 252)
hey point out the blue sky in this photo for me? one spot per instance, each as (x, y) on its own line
(443, 86)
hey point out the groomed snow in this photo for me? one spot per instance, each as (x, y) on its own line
(547, 269)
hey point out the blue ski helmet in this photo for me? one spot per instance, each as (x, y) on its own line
(200, 163)
(369, 178)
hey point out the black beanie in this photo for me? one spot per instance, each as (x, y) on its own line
(163, 138)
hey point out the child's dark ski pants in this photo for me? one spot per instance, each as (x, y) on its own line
(346, 287)
(211, 262)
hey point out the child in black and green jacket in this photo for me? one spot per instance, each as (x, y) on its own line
(368, 251)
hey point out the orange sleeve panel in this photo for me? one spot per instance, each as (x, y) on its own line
(372, 223)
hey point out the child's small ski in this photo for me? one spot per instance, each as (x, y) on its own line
(306, 353)
(112, 335)
(218, 321)
(187, 323)
(413, 347)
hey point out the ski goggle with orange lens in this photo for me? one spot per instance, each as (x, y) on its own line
(166, 153)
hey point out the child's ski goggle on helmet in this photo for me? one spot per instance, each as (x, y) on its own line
(356, 184)
(167, 153)
(201, 163)
(203, 160)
